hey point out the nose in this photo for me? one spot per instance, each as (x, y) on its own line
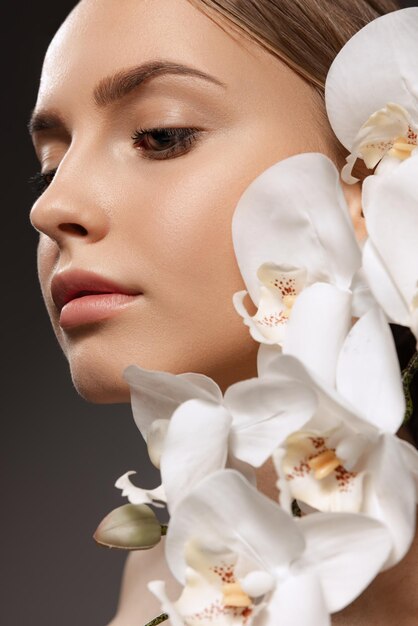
(71, 208)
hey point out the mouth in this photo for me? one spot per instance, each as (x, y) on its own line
(82, 297)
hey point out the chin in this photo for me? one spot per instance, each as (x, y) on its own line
(100, 387)
(96, 368)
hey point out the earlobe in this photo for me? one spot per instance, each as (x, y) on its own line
(352, 195)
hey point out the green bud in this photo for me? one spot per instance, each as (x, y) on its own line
(129, 527)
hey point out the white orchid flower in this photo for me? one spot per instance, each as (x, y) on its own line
(390, 255)
(207, 432)
(293, 236)
(244, 561)
(348, 457)
(371, 93)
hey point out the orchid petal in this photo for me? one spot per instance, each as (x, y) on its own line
(155, 437)
(363, 298)
(318, 325)
(410, 457)
(136, 495)
(384, 289)
(336, 550)
(376, 66)
(266, 326)
(196, 445)
(392, 495)
(332, 405)
(340, 490)
(368, 373)
(265, 411)
(297, 601)
(225, 507)
(390, 208)
(271, 220)
(157, 587)
(266, 358)
(156, 394)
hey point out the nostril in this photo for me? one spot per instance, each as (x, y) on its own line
(74, 229)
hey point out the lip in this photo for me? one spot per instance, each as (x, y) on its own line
(83, 297)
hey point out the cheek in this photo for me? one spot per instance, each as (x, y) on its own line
(47, 257)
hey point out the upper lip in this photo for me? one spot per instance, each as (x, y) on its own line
(71, 284)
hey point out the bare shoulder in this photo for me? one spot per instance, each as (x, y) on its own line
(137, 605)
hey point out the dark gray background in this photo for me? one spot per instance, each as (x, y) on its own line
(60, 456)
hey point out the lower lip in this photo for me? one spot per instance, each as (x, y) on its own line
(93, 308)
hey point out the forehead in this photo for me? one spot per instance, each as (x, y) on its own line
(101, 37)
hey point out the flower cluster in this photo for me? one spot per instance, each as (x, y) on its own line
(328, 401)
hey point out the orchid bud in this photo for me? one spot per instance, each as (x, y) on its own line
(129, 527)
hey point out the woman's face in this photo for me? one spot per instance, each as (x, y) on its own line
(151, 214)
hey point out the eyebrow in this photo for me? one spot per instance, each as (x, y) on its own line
(113, 88)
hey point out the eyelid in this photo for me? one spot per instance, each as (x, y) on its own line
(186, 136)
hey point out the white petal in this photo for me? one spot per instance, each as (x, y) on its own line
(136, 495)
(363, 298)
(410, 457)
(297, 601)
(391, 497)
(414, 323)
(376, 66)
(266, 357)
(391, 214)
(255, 328)
(156, 395)
(155, 438)
(265, 411)
(258, 583)
(196, 445)
(318, 325)
(157, 587)
(340, 490)
(336, 549)
(368, 373)
(297, 199)
(225, 508)
(383, 287)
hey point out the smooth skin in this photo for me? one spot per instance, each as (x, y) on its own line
(162, 226)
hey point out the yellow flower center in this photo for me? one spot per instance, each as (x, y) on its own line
(235, 596)
(401, 149)
(289, 301)
(324, 464)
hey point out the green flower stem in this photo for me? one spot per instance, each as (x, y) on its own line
(158, 620)
(407, 377)
(164, 528)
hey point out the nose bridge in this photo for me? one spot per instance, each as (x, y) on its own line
(72, 206)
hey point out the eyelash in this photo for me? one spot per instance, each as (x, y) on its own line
(186, 138)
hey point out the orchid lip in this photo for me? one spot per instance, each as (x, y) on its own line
(71, 284)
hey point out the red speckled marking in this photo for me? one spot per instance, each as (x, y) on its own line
(286, 286)
(225, 571)
(411, 136)
(273, 319)
(343, 477)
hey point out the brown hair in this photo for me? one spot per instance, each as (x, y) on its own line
(307, 35)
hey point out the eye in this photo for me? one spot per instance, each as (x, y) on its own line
(41, 180)
(163, 143)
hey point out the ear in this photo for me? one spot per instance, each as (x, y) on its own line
(352, 195)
